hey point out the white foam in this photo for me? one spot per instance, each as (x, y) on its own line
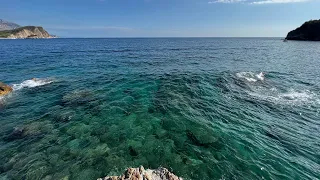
(291, 97)
(260, 76)
(250, 76)
(3, 98)
(31, 83)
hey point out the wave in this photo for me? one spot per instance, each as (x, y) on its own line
(35, 82)
(250, 85)
(3, 99)
(250, 76)
(289, 97)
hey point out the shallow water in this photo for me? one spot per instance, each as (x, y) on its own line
(197, 106)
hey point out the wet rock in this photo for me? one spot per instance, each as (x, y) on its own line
(142, 174)
(5, 89)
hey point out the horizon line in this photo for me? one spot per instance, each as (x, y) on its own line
(174, 37)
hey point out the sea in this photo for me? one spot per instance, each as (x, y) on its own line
(204, 108)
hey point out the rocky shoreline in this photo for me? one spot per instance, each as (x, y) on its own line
(144, 174)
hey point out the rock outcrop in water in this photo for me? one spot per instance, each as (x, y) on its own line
(26, 32)
(142, 174)
(4, 89)
(309, 31)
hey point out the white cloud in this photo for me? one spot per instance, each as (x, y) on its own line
(278, 1)
(225, 1)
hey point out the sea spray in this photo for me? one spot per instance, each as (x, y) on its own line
(32, 83)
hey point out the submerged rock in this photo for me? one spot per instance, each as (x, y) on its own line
(78, 97)
(201, 137)
(142, 174)
(32, 130)
(4, 89)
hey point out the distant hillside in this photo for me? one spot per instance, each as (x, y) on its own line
(309, 31)
(5, 25)
(25, 32)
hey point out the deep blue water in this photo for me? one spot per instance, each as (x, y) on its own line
(197, 106)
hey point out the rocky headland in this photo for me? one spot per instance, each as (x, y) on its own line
(34, 32)
(309, 31)
(14, 31)
(144, 174)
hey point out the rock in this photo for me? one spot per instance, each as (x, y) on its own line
(4, 89)
(33, 130)
(201, 137)
(142, 174)
(309, 31)
(34, 32)
(78, 97)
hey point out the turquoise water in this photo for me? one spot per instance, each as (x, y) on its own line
(197, 106)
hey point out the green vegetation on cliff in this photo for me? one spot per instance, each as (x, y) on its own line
(309, 31)
(6, 33)
(30, 32)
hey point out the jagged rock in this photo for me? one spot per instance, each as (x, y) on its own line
(4, 89)
(309, 31)
(142, 174)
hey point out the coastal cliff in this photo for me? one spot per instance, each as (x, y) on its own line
(309, 31)
(25, 32)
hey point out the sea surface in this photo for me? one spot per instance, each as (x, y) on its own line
(205, 108)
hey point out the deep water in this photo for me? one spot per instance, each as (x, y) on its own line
(197, 106)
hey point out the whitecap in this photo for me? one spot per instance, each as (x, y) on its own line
(250, 76)
(290, 97)
(294, 95)
(260, 76)
(31, 83)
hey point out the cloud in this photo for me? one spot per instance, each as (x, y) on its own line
(225, 1)
(278, 1)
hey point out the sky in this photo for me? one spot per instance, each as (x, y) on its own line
(162, 18)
